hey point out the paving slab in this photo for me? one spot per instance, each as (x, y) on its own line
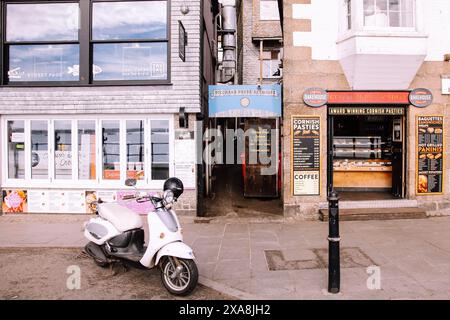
(413, 256)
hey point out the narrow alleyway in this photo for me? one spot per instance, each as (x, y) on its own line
(228, 197)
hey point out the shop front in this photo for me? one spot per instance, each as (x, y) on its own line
(378, 149)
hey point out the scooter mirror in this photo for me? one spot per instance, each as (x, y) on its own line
(130, 182)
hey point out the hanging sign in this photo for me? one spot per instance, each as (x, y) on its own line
(421, 98)
(430, 155)
(305, 155)
(315, 97)
(182, 41)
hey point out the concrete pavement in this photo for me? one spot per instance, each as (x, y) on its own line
(280, 259)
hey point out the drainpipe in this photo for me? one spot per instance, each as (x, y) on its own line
(228, 32)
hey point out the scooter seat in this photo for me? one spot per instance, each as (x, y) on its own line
(121, 217)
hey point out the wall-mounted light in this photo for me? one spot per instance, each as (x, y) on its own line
(184, 9)
(183, 118)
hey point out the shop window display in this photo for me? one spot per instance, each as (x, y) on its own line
(135, 149)
(16, 149)
(63, 149)
(39, 149)
(86, 150)
(160, 149)
(111, 150)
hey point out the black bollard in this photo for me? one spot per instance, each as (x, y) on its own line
(334, 268)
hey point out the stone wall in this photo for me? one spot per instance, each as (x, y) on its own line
(301, 72)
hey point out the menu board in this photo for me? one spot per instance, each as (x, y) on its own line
(305, 161)
(430, 154)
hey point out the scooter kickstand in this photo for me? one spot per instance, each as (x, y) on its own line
(117, 266)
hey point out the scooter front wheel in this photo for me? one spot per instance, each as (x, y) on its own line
(179, 281)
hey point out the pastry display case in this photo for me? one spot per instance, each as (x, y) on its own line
(362, 162)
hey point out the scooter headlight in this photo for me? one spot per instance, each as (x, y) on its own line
(168, 196)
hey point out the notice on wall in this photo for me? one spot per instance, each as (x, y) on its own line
(185, 151)
(305, 158)
(430, 154)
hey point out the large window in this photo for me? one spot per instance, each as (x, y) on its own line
(87, 151)
(86, 41)
(129, 40)
(389, 13)
(42, 42)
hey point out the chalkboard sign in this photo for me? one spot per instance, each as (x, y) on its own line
(305, 159)
(430, 155)
(182, 41)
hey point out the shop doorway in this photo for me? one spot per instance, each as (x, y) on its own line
(237, 186)
(367, 153)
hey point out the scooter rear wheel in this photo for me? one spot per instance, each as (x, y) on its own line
(185, 282)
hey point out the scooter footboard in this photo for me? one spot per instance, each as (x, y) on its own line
(175, 249)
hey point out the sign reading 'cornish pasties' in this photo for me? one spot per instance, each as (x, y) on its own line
(421, 98)
(315, 97)
(305, 155)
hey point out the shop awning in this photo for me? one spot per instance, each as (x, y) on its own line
(245, 101)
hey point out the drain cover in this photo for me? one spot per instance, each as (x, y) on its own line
(350, 258)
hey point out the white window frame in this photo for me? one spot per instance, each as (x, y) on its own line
(98, 182)
(388, 27)
(268, 19)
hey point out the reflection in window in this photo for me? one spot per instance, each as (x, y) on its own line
(389, 13)
(268, 10)
(160, 149)
(16, 150)
(135, 149)
(271, 64)
(130, 61)
(86, 150)
(129, 20)
(43, 63)
(39, 149)
(111, 150)
(42, 22)
(63, 149)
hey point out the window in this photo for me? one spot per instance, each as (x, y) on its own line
(86, 41)
(86, 150)
(16, 149)
(271, 64)
(268, 10)
(389, 13)
(135, 149)
(111, 150)
(39, 149)
(63, 149)
(160, 149)
(42, 42)
(348, 8)
(130, 40)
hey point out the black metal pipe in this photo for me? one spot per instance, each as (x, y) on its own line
(334, 269)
